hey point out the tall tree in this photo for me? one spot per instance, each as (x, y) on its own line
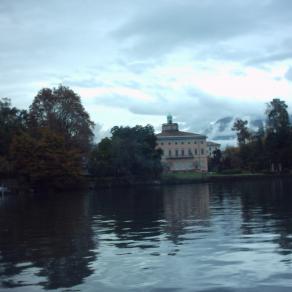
(60, 110)
(242, 131)
(279, 136)
(277, 116)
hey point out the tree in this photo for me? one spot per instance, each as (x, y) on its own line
(279, 136)
(12, 122)
(129, 152)
(60, 110)
(231, 158)
(45, 162)
(215, 161)
(243, 134)
(100, 160)
(277, 116)
(134, 151)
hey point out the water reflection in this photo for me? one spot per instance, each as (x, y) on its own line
(52, 240)
(133, 215)
(190, 237)
(183, 207)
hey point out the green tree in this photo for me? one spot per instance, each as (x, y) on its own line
(134, 151)
(215, 161)
(242, 132)
(129, 152)
(277, 116)
(279, 137)
(100, 160)
(60, 110)
(231, 158)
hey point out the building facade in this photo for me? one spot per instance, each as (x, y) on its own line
(182, 151)
(211, 147)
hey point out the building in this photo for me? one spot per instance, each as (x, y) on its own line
(182, 151)
(211, 147)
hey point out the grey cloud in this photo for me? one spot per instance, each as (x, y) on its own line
(176, 24)
(271, 58)
(161, 28)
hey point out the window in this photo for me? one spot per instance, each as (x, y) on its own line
(176, 152)
(182, 152)
(190, 152)
(195, 142)
(196, 151)
(202, 151)
(169, 143)
(202, 142)
(161, 143)
(182, 142)
(189, 142)
(169, 152)
(175, 143)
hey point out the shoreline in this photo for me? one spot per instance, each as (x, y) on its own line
(94, 183)
(173, 179)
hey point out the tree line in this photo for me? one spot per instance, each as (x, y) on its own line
(51, 145)
(269, 149)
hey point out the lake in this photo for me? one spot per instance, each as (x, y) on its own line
(205, 237)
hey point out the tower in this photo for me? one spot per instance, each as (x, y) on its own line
(169, 126)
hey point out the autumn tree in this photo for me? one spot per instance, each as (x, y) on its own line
(46, 161)
(60, 110)
(12, 122)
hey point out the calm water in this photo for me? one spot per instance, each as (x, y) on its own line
(217, 237)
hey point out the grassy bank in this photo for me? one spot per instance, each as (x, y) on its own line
(191, 177)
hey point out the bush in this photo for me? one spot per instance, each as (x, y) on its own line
(231, 171)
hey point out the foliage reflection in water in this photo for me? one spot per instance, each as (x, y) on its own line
(233, 237)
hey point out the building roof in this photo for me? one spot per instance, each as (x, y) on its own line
(179, 134)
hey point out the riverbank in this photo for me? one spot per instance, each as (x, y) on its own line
(192, 178)
(178, 178)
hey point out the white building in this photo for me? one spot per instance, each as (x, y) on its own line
(182, 151)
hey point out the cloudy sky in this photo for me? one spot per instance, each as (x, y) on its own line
(134, 61)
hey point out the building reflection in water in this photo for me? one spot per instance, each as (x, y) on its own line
(185, 206)
(139, 217)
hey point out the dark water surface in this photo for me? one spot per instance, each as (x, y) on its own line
(217, 237)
